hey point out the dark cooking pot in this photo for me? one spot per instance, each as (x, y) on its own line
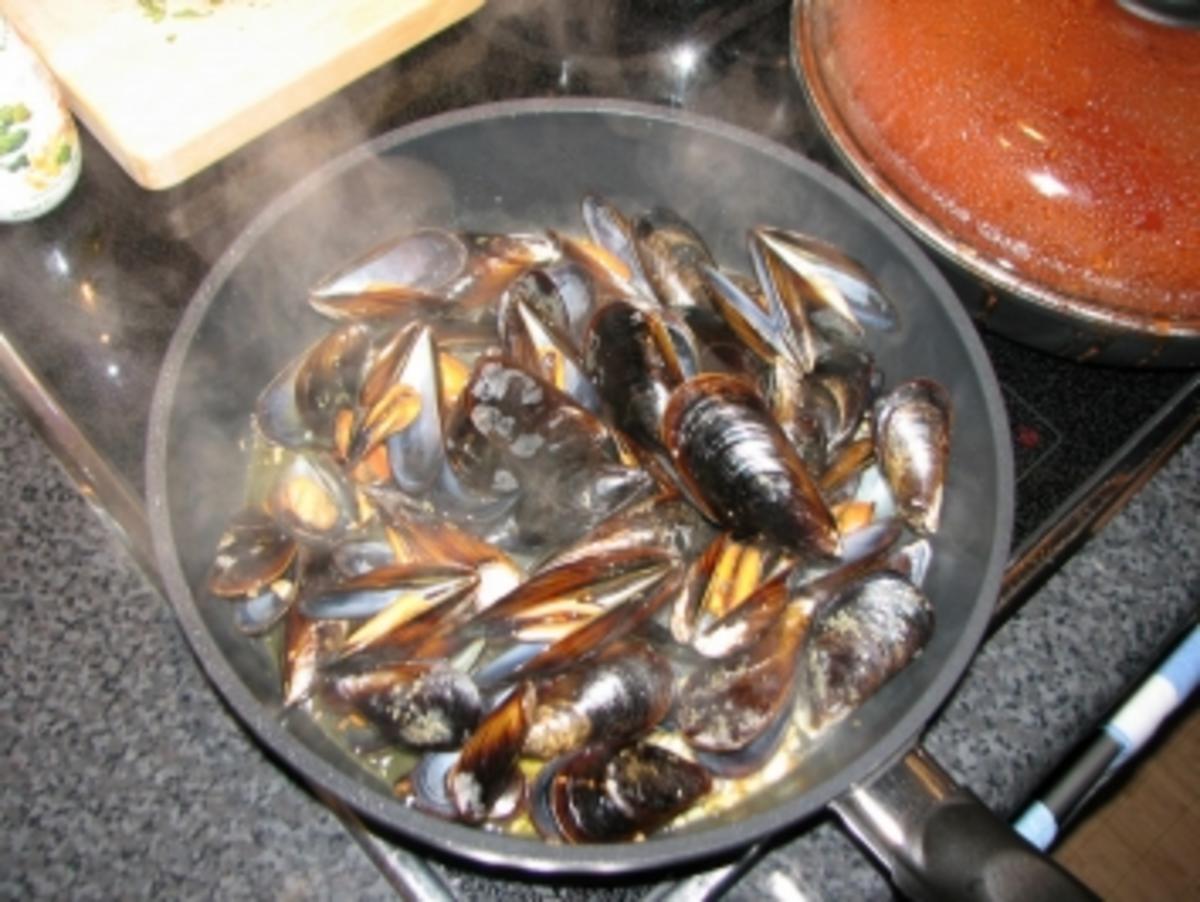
(525, 165)
(1049, 150)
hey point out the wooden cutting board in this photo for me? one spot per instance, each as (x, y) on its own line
(170, 86)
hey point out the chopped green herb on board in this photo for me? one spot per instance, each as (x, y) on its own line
(155, 10)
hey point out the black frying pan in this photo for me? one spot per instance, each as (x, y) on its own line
(525, 165)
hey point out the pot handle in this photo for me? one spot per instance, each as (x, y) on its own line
(941, 842)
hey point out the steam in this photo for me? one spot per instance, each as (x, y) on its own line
(507, 174)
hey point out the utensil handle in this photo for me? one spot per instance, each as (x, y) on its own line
(941, 842)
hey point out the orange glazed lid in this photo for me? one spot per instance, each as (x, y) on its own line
(1048, 143)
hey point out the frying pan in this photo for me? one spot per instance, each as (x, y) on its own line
(520, 166)
(1018, 306)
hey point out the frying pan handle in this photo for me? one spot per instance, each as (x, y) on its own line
(941, 842)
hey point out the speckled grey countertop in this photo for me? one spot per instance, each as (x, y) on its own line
(124, 776)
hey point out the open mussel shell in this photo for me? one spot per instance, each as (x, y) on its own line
(732, 453)
(508, 419)
(300, 406)
(513, 430)
(665, 521)
(828, 279)
(750, 758)
(278, 416)
(848, 379)
(426, 269)
(252, 553)
(613, 231)
(430, 785)
(745, 625)
(307, 645)
(256, 615)
(329, 379)
(370, 593)
(633, 605)
(415, 452)
(312, 499)
(542, 347)
(726, 704)
(787, 303)
(539, 294)
(417, 266)
(486, 764)
(912, 444)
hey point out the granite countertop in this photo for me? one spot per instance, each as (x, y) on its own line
(125, 776)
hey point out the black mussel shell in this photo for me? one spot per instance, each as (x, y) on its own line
(313, 500)
(486, 764)
(329, 379)
(733, 454)
(673, 257)
(252, 553)
(623, 694)
(726, 704)
(912, 444)
(369, 593)
(873, 632)
(257, 615)
(423, 706)
(631, 357)
(601, 795)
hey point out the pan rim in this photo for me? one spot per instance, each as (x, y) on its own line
(492, 850)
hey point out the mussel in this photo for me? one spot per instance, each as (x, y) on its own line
(620, 695)
(252, 553)
(725, 704)
(912, 443)
(417, 704)
(420, 585)
(486, 766)
(827, 281)
(541, 347)
(598, 795)
(673, 257)
(512, 430)
(872, 633)
(612, 230)
(429, 270)
(732, 453)
(635, 363)
(300, 407)
(312, 499)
